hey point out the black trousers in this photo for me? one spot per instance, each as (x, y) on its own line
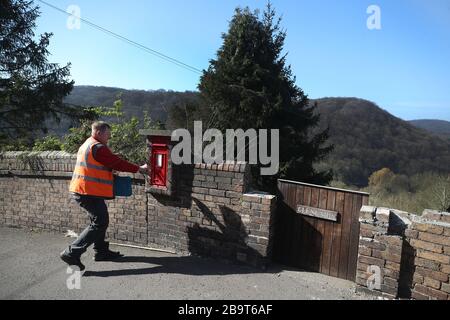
(95, 233)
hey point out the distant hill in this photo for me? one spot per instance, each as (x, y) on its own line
(438, 127)
(368, 138)
(135, 102)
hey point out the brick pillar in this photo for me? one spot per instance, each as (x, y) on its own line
(429, 239)
(380, 254)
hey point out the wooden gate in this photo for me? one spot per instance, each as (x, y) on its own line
(317, 228)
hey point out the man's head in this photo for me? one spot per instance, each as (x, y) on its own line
(101, 131)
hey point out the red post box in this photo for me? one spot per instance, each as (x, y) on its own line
(160, 164)
(159, 158)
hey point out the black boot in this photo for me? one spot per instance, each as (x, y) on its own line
(71, 260)
(104, 254)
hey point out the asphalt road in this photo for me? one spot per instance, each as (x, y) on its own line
(30, 268)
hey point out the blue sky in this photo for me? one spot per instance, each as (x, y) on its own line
(404, 67)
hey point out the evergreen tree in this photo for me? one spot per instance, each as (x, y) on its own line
(31, 88)
(249, 85)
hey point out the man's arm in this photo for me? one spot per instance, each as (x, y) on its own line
(103, 155)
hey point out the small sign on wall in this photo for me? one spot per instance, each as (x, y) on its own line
(317, 213)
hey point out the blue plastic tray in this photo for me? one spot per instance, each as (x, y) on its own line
(122, 186)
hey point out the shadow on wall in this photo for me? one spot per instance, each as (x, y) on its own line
(227, 244)
(224, 236)
(407, 270)
(231, 242)
(407, 264)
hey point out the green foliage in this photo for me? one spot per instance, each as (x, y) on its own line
(384, 181)
(367, 139)
(19, 144)
(125, 139)
(412, 194)
(250, 85)
(48, 143)
(76, 137)
(31, 88)
(380, 178)
(157, 104)
(437, 194)
(341, 185)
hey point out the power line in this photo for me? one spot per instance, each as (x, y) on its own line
(131, 42)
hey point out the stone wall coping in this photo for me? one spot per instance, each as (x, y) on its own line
(435, 215)
(368, 209)
(228, 166)
(237, 166)
(405, 217)
(426, 211)
(47, 173)
(383, 211)
(38, 173)
(419, 219)
(258, 194)
(371, 240)
(384, 214)
(39, 154)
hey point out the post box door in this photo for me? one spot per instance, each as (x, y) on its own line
(159, 166)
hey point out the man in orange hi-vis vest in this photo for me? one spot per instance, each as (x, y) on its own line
(92, 184)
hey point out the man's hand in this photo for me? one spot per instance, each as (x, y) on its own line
(143, 169)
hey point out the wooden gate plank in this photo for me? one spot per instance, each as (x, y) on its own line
(306, 230)
(328, 236)
(292, 215)
(365, 200)
(282, 226)
(321, 224)
(315, 238)
(354, 238)
(345, 238)
(297, 255)
(337, 232)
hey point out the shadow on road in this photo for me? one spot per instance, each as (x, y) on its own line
(189, 265)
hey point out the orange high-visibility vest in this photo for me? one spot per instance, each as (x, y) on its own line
(90, 177)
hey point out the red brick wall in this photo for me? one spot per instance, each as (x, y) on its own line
(209, 214)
